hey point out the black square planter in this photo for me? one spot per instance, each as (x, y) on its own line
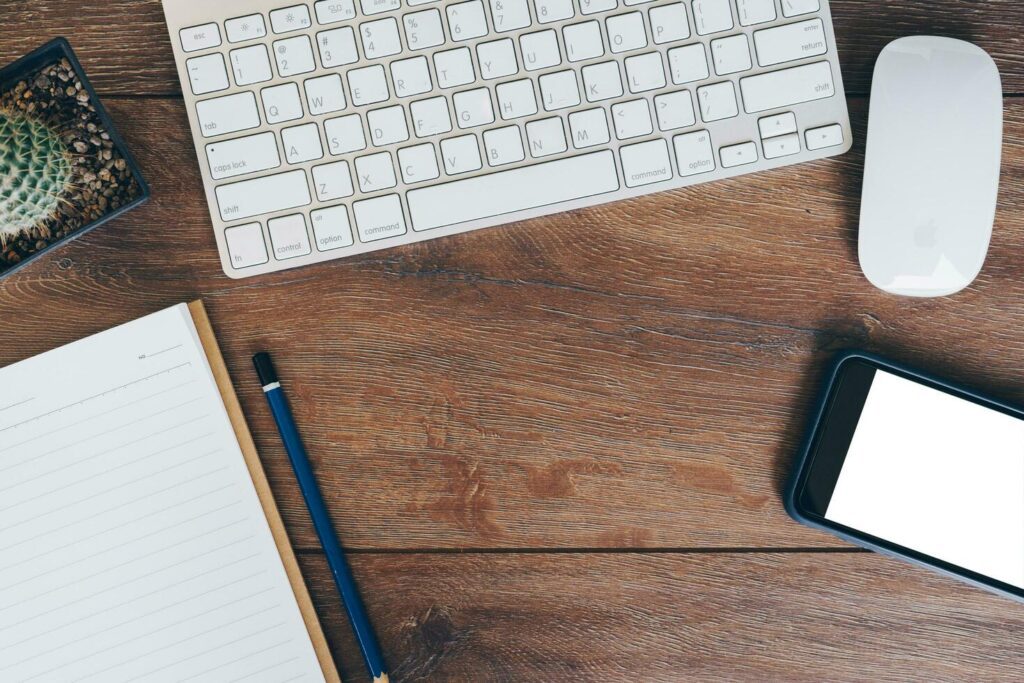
(51, 53)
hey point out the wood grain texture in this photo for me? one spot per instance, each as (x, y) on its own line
(125, 49)
(667, 617)
(633, 375)
(602, 388)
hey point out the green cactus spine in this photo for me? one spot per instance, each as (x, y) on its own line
(35, 172)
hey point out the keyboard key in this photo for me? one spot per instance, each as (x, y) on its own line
(281, 103)
(688, 64)
(553, 10)
(645, 163)
(631, 119)
(302, 143)
(228, 114)
(717, 101)
(418, 163)
(201, 37)
(626, 32)
(473, 108)
(826, 136)
(430, 117)
(207, 74)
(781, 146)
(790, 42)
(545, 137)
(378, 6)
(674, 110)
(250, 154)
(288, 236)
(380, 38)
(460, 155)
(251, 65)
(694, 154)
(559, 90)
(516, 98)
(245, 28)
(583, 41)
(466, 20)
(292, 18)
(730, 54)
(712, 16)
(510, 15)
(755, 11)
(345, 134)
(263, 195)
(540, 50)
(332, 11)
(379, 218)
(337, 46)
(792, 8)
(777, 124)
(594, 6)
(589, 128)
(423, 29)
(387, 125)
(332, 181)
(454, 67)
(324, 94)
(375, 172)
(645, 72)
(602, 81)
(738, 155)
(503, 146)
(512, 190)
(368, 85)
(668, 23)
(331, 229)
(294, 56)
(246, 246)
(787, 87)
(411, 76)
(497, 58)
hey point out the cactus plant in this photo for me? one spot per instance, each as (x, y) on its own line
(35, 172)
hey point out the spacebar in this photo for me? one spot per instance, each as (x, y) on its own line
(521, 188)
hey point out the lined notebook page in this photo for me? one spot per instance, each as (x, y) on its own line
(132, 542)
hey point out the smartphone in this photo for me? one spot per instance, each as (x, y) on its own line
(912, 466)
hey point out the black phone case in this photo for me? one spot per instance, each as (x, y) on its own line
(800, 467)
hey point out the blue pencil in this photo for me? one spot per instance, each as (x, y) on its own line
(321, 520)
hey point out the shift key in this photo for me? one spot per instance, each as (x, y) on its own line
(787, 87)
(263, 195)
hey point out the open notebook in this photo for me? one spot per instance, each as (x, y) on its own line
(138, 536)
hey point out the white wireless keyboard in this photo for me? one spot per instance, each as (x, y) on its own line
(326, 129)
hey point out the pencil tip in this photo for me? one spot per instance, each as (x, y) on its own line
(382, 678)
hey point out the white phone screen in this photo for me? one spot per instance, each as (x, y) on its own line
(937, 474)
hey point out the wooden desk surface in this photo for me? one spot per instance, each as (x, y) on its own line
(577, 428)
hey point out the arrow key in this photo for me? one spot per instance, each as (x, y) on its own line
(777, 124)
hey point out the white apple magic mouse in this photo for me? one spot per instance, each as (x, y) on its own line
(931, 168)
